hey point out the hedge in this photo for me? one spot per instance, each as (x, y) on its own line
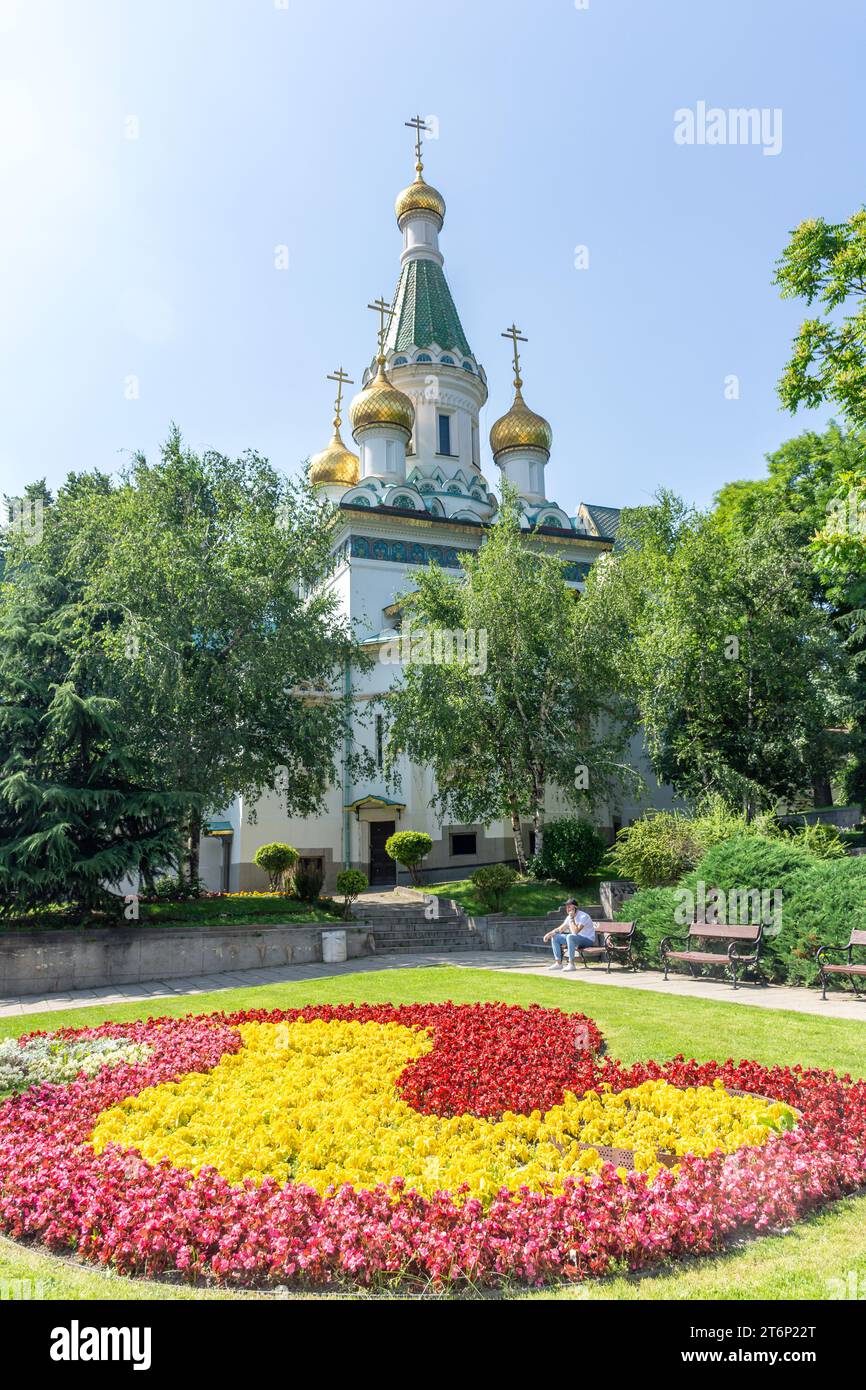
(821, 901)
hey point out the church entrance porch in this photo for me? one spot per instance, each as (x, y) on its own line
(383, 870)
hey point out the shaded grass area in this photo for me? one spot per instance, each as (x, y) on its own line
(528, 898)
(636, 1025)
(250, 912)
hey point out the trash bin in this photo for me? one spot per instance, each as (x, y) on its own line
(333, 947)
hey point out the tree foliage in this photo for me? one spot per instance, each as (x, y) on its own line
(816, 486)
(77, 811)
(204, 581)
(543, 709)
(737, 672)
(825, 262)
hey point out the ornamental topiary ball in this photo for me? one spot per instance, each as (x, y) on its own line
(277, 860)
(408, 847)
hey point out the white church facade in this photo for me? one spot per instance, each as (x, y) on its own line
(411, 493)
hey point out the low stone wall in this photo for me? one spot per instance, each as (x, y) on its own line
(51, 962)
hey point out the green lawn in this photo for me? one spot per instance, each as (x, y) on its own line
(636, 1025)
(528, 898)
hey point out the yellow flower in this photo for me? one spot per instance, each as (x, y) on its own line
(316, 1102)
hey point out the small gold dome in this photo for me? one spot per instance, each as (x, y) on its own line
(336, 464)
(520, 428)
(420, 197)
(380, 403)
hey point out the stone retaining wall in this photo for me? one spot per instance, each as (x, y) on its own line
(51, 962)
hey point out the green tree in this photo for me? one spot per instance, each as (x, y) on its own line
(816, 484)
(826, 262)
(205, 581)
(532, 700)
(737, 673)
(77, 814)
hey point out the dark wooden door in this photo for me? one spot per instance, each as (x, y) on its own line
(382, 869)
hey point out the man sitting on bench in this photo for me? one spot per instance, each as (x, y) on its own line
(577, 931)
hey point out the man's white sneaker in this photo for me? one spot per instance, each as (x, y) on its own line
(556, 966)
(568, 967)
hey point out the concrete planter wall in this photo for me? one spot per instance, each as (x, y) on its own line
(52, 962)
(613, 893)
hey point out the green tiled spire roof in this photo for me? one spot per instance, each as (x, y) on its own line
(424, 311)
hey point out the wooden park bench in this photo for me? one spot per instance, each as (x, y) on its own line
(734, 958)
(614, 941)
(853, 969)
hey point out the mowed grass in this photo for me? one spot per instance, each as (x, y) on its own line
(637, 1025)
(527, 898)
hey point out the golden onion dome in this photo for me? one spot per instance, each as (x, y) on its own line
(336, 464)
(380, 403)
(520, 428)
(420, 197)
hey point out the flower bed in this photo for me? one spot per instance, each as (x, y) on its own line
(436, 1141)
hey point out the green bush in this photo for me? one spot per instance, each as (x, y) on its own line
(821, 900)
(824, 841)
(653, 909)
(820, 906)
(277, 860)
(663, 845)
(571, 850)
(656, 850)
(351, 882)
(753, 863)
(493, 882)
(177, 888)
(408, 847)
(308, 879)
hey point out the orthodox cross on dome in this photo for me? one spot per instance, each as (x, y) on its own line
(342, 379)
(516, 337)
(386, 313)
(417, 124)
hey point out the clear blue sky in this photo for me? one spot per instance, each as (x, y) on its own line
(260, 126)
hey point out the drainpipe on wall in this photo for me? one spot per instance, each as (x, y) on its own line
(347, 750)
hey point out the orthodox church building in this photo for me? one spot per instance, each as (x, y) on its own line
(411, 492)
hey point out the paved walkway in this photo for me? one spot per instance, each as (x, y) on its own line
(803, 1001)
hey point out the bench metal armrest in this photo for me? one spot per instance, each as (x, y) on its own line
(832, 951)
(743, 957)
(665, 943)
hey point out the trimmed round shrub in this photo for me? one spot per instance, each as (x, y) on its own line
(351, 882)
(493, 882)
(408, 847)
(571, 850)
(277, 860)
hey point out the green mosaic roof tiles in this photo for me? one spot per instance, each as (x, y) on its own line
(424, 311)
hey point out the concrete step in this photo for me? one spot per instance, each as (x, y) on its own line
(449, 948)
